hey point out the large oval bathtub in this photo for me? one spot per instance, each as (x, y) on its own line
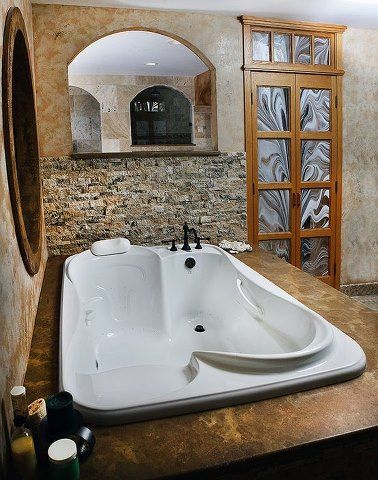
(144, 335)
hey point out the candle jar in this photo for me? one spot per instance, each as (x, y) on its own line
(64, 464)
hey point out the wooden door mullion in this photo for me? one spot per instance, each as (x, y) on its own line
(249, 140)
(254, 100)
(297, 189)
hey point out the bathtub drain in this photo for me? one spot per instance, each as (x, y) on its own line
(199, 328)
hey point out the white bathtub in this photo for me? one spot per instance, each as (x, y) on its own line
(129, 349)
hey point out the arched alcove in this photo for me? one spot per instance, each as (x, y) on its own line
(85, 121)
(161, 115)
(118, 66)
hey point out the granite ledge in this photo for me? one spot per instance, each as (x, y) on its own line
(237, 437)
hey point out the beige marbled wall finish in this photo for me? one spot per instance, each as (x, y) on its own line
(19, 293)
(115, 92)
(360, 157)
(61, 32)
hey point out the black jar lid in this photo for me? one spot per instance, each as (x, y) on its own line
(62, 418)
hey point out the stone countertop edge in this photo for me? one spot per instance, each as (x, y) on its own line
(146, 154)
(208, 440)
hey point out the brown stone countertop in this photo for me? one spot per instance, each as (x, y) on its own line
(209, 444)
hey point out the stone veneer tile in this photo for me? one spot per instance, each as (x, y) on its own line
(360, 289)
(144, 199)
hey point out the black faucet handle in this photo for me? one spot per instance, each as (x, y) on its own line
(173, 246)
(198, 242)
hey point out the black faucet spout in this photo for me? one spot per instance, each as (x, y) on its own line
(187, 232)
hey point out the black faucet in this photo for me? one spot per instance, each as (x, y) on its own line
(187, 232)
(173, 246)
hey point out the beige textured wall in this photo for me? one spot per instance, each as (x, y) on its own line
(19, 292)
(360, 163)
(115, 92)
(61, 32)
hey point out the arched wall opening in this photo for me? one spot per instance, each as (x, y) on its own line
(116, 67)
(161, 115)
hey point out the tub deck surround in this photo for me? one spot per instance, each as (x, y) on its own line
(149, 333)
(237, 437)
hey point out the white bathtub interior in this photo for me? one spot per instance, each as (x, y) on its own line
(129, 348)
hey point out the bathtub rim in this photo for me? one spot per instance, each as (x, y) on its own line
(311, 349)
(158, 409)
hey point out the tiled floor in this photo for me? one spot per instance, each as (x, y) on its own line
(370, 301)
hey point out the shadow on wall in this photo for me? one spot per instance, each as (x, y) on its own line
(6, 436)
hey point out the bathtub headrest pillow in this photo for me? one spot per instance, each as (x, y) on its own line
(113, 246)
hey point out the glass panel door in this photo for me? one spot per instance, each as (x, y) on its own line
(316, 175)
(292, 141)
(273, 148)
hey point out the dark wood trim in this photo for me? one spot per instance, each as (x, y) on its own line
(295, 68)
(21, 140)
(147, 154)
(277, 23)
(311, 30)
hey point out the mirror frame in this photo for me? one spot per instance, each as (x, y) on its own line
(21, 151)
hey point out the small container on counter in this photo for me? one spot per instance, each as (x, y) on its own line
(64, 463)
(19, 403)
(37, 412)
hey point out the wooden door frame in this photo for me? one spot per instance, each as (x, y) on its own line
(334, 185)
(334, 69)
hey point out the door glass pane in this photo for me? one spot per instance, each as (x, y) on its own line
(314, 106)
(301, 49)
(315, 208)
(273, 211)
(273, 159)
(273, 109)
(281, 248)
(321, 51)
(261, 46)
(282, 49)
(315, 256)
(315, 161)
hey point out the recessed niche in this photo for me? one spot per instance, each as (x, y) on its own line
(21, 140)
